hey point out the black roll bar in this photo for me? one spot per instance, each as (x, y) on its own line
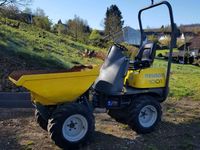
(173, 36)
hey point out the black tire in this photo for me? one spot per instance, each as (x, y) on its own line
(119, 115)
(58, 120)
(40, 120)
(135, 111)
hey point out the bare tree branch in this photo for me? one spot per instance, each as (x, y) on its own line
(15, 2)
(3, 2)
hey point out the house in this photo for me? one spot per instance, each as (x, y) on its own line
(188, 52)
(192, 47)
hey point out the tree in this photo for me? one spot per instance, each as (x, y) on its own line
(95, 35)
(78, 28)
(42, 22)
(60, 28)
(39, 12)
(165, 41)
(11, 12)
(153, 38)
(95, 38)
(27, 10)
(15, 2)
(113, 21)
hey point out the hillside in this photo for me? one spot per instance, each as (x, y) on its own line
(30, 48)
(26, 47)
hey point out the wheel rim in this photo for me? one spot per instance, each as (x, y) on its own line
(148, 116)
(74, 128)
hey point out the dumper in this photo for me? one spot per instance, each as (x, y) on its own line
(130, 90)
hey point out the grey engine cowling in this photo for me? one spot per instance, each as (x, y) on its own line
(112, 72)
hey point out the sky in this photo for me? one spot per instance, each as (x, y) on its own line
(185, 11)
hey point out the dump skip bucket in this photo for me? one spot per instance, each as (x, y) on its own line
(52, 88)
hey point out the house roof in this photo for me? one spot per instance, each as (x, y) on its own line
(193, 44)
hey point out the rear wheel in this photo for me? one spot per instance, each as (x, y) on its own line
(40, 120)
(71, 125)
(145, 114)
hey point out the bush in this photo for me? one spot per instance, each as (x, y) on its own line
(96, 39)
(42, 22)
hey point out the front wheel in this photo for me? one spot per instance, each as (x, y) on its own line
(40, 120)
(145, 114)
(71, 125)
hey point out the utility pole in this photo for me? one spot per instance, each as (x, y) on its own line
(185, 49)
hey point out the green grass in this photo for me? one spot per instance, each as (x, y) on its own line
(165, 51)
(184, 81)
(37, 43)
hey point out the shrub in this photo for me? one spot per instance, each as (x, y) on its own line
(160, 55)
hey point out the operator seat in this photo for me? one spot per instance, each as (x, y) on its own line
(145, 56)
(112, 72)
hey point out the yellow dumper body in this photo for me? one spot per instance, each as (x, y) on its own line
(56, 88)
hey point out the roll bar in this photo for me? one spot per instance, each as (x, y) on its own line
(173, 35)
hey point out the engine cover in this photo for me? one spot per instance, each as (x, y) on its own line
(146, 78)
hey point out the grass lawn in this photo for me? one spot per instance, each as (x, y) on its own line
(165, 51)
(184, 81)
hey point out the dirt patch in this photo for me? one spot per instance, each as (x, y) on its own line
(180, 129)
(92, 54)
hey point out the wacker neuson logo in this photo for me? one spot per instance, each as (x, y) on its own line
(158, 75)
(156, 78)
